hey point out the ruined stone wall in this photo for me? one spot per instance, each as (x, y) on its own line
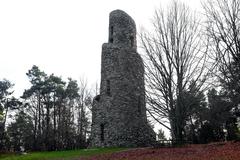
(119, 112)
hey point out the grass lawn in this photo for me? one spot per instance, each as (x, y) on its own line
(212, 151)
(61, 155)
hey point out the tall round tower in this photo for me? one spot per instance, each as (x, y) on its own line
(119, 112)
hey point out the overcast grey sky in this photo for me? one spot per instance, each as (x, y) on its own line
(63, 37)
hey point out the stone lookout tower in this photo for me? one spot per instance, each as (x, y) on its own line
(119, 112)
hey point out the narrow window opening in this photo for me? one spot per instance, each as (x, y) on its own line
(139, 106)
(102, 132)
(111, 35)
(111, 31)
(111, 40)
(132, 41)
(108, 88)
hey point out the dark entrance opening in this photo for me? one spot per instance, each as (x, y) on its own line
(102, 132)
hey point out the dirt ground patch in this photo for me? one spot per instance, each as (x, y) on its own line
(213, 151)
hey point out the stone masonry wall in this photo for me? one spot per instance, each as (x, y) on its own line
(119, 112)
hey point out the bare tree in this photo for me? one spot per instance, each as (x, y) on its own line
(174, 56)
(223, 28)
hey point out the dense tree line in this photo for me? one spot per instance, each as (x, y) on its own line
(192, 70)
(51, 115)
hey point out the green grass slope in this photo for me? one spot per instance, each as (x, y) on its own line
(60, 155)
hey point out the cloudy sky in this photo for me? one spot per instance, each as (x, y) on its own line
(63, 37)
